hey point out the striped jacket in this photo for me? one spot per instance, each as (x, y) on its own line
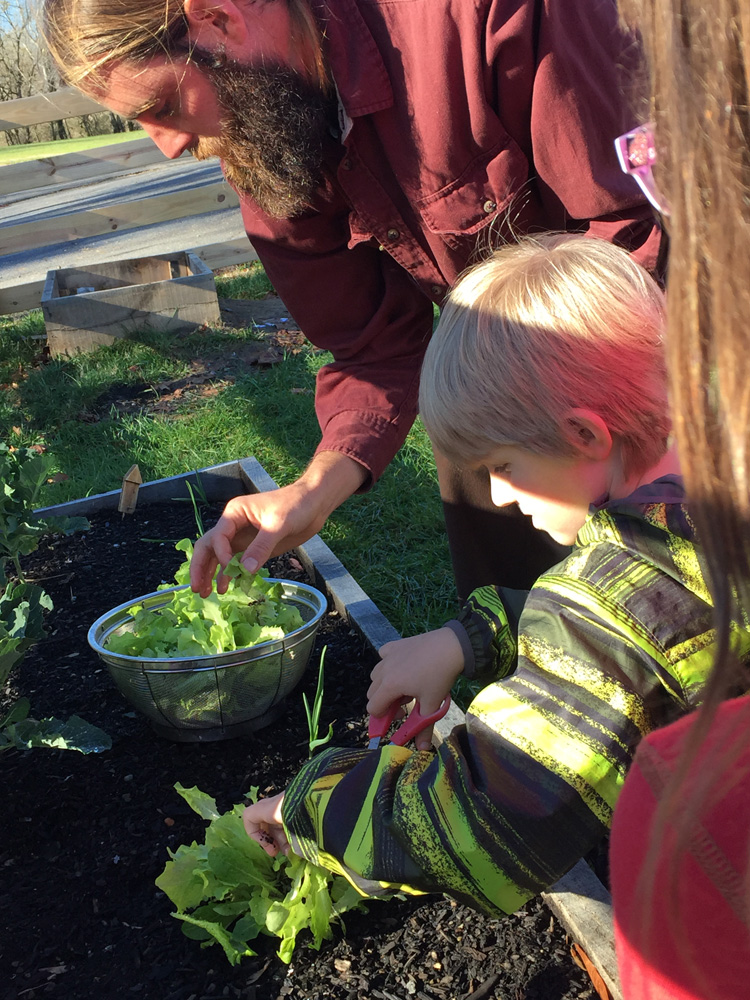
(612, 642)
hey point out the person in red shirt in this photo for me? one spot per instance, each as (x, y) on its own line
(377, 148)
(680, 845)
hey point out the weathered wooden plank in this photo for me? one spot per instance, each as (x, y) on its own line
(24, 180)
(64, 103)
(111, 218)
(584, 907)
(163, 177)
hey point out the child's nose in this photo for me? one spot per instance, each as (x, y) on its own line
(501, 491)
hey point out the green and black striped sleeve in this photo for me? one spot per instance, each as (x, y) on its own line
(612, 643)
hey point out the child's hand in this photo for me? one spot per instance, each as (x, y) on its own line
(422, 667)
(263, 823)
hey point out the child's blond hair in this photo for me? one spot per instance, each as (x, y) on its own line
(542, 326)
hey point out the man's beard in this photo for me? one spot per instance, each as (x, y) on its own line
(272, 131)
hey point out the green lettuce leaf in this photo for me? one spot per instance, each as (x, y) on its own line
(75, 734)
(228, 890)
(252, 611)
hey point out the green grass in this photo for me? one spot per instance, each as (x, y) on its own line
(246, 281)
(391, 539)
(39, 150)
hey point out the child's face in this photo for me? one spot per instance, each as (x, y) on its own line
(555, 491)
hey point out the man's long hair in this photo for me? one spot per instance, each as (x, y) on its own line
(86, 37)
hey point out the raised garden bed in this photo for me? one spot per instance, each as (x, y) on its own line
(85, 308)
(85, 837)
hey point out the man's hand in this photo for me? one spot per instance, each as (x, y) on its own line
(266, 524)
(263, 823)
(424, 667)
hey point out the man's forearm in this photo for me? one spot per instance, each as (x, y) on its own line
(332, 477)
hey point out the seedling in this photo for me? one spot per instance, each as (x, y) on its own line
(313, 715)
(196, 511)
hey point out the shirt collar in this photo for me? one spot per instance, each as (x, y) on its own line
(355, 62)
(666, 489)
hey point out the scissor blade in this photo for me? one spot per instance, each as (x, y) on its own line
(374, 743)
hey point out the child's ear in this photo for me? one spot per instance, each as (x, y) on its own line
(588, 433)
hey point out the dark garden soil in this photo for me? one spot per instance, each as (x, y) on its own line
(84, 837)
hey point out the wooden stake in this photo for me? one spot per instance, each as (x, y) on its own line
(129, 492)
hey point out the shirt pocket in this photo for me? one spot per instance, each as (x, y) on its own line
(484, 191)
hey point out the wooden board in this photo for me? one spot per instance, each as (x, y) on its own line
(78, 320)
(24, 180)
(64, 103)
(115, 218)
(584, 907)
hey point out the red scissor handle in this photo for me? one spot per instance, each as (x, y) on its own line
(414, 723)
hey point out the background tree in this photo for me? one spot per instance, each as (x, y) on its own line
(26, 68)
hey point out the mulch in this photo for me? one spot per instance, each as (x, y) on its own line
(84, 837)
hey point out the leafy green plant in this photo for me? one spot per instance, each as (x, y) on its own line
(313, 714)
(251, 611)
(21, 625)
(227, 890)
(23, 473)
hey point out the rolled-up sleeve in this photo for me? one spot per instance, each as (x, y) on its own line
(363, 307)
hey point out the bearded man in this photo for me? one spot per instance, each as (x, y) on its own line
(378, 148)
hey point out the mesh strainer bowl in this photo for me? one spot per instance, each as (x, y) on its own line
(212, 697)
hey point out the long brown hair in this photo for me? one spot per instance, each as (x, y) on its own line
(86, 37)
(700, 80)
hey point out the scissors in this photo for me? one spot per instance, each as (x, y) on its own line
(413, 724)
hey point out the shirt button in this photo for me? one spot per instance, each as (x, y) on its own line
(393, 235)
(489, 206)
(346, 164)
(437, 291)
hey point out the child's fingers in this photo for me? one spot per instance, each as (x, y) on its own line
(262, 822)
(272, 841)
(423, 740)
(266, 841)
(380, 699)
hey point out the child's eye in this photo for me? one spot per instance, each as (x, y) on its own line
(501, 470)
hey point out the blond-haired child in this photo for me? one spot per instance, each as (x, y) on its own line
(547, 370)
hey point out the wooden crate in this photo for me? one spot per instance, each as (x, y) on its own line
(84, 309)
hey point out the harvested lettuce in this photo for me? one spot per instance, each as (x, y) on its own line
(252, 611)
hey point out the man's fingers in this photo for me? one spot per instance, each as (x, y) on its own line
(211, 550)
(260, 550)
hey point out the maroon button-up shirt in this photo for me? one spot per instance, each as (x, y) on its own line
(464, 122)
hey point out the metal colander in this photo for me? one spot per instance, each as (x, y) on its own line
(212, 697)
